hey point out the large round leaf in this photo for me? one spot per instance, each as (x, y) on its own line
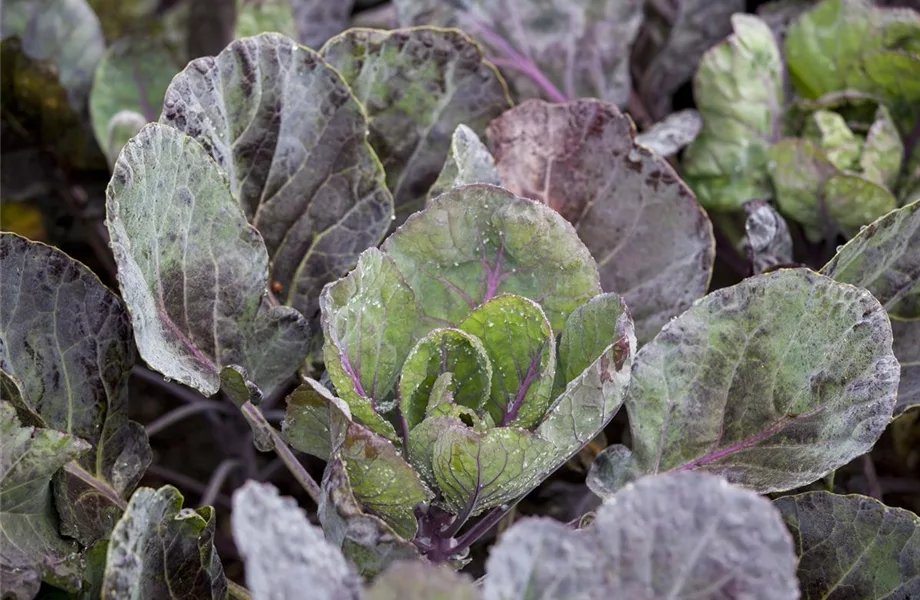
(772, 383)
(293, 140)
(652, 241)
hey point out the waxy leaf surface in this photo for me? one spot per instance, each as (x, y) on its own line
(853, 547)
(192, 271)
(767, 241)
(739, 93)
(884, 258)
(315, 421)
(478, 241)
(131, 78)
(31, 548)
(417, 86)
(468, 161)
(652, 242)
(771, 383)
(292, 139)
(283, 552)
(669, 136)
(66, 341)
(161, 550)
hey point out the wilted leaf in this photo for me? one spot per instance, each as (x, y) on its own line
(480, 470)
(523, 364)
(686, 535)
(468, 161)
(161, 550)
(671, 43)
(319, 20)
(65, 33)
(291, 137)
(283, 552)
(192, 271)
(652, 242)
(132, 76)
(444, 351)
(853, 547)
(30, 545)
(739, 93)
(365, 539)
(478, 241)
(370, 320)
(315, 421)
(66, 340)
(669, 136)
(417, 86)
(772, 383)
(767, 241)
(581, 47)
(381, 480)
(884, 258)
(907, 349)
(259, 16)
(419, 581)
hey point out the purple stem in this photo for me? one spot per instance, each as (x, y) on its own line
(346, 364)
(495, 274)
(529, 378)
(480, 528)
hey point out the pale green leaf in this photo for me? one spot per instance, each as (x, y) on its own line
(293, 140)
(161, 550)
(522, 349)
(417, 86)
(840, 145)
(259, 16)
(468, 161)
(315, 421)
(798, 168)
(883, 151)
(444, 351)
(884, 258)
(772, 383)
(283, 551)
(852, 202)
(30, 545)
(370, 320)
(589, 332)
(132, 76)
(739, 93)
(419, 581)
(853, 547)
(192, 271)
(478, 241)
(652, 241)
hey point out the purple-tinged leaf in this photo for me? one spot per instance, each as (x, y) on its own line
(284, 127)
(907, 349)
(771, 383)
(853, 547)
(417, 85)
(478, 241)
(192, 271)
(283, 551)
(363, 538)
(652, 242)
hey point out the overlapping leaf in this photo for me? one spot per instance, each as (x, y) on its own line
(739, 93)
(315, 421)
(686, 535)
(128, 90)
(283, 552)
(652, 242)
(417, 86)
(468, 161)
(771, 383)
(292, 138)
(66, 342)
(853, 547)
(160, 550)
(670, 135)
(31, 548)
(767, 241)
(192, 271)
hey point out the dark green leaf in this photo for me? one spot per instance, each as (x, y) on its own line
(293, 140)
(283, 552)
(315, 421)
(739, 93)
(417, 85)
(161, 550)
(652, 242)
(772, 383)
(853, 547)
(192, 271)
(30, 545)
(478, 241)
